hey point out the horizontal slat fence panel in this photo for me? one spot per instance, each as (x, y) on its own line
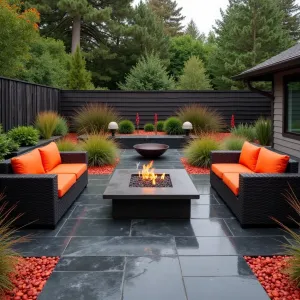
(21, 101)
(246, 106)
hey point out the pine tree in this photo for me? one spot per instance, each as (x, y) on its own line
(171, 15)
(149, 74)
(194, 32)
(79, 77)
(194, 77)
(249, 32)
(291, 20)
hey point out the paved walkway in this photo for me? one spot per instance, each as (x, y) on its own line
(197, 259)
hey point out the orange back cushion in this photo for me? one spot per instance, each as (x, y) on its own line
(271, 162)
(50, 156)
(29, 163)
(249, 155)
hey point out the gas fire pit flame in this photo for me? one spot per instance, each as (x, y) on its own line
(148, 173)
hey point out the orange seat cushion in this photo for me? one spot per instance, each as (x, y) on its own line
(249, 155)
(232, 180)
(50, 156)
(271, 162)
(65, 181)
(29, 163)
(77, 169)
(220, 169)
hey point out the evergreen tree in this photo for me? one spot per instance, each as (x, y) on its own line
(79, 78)
(249, 32)
(194, 32)
(194, 77)
(149, 74)
(291, 20)
(171, 15)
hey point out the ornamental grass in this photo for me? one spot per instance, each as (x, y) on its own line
(233, 143)
(66, 145)
(46, 123)
(263, 130)
(246, 131)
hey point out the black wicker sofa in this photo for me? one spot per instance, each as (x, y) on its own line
(261, 195)
(36, 195)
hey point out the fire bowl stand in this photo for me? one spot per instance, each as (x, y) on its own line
(151, 202)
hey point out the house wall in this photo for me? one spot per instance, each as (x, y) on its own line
(286, 145)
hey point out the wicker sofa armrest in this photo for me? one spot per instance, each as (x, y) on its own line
(218, 157)
(74, 157)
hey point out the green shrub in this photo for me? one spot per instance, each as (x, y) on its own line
(4, 146)
(24, 135)
(263, 130)
(173, 126)
(160, 126)
(204, 119)
(126, 126)
(66, 145)
(101, 151)
(233, 143)
(244, 130)
(12, 145)
(94, 118)
(198, 151)
(46, 122)
(149, 127)
(62, 127)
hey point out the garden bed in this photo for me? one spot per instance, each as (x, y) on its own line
(31, 276)
(142, 132)
(270, 273)
(192, 169)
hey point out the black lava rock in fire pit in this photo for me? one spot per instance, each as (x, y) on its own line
(137, 181)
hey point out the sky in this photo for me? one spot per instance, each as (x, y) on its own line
(203, 12)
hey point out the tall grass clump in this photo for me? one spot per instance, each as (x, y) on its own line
(8, 239)
(293, 249)
(233, 143)
(244, 130)
(263, 130)
(94, 118)
(203, 119)
(66, 145)
(46, 123)
(173, 126)
(198, 151)
(126, 127)
(24, 135)
(101, 151)
(62, 127)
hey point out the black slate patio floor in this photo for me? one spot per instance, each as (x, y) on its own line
(197, 259)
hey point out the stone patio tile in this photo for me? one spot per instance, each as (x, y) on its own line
(121, 246)
(94, 189)
(92, 199)
(92, 211)
(150, 278)
(225, 288)
(205, 200)
(210, 211)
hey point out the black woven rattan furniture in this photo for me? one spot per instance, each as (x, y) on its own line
(260, 195)
(36, 196)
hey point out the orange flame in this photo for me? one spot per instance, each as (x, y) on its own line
(148, 173)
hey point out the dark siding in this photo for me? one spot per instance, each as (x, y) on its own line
(246, 106)
(20, 102)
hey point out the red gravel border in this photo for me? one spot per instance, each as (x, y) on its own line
(193, 170)
(270, 273)
(32, 274)
(142, 132)
(104, 170)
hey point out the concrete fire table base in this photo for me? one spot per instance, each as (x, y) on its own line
(151, 202)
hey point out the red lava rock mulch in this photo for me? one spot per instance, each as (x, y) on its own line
(193, 170)
(142, 132)
(219, 137)
(104, 170)
(72, 137)
(32, 274)
(268, 270)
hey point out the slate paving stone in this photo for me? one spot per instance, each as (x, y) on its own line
(121, 246)
(150, 278)
(225, 288)
(214, 266)
(94, 190)
(205, 200)
(92, 211)
(203, 189)
(95, 227)
(203, 227)
(92, 199)
(83, 286)
(210, 211)
(251, 246)
(43, 246)
(91, 263)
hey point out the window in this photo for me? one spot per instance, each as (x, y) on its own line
(292, 107)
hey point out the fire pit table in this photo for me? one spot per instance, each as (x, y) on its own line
(169, 198)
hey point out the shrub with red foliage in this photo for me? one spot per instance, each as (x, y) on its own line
(270, 273)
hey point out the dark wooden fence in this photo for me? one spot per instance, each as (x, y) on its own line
(246, 106)
(20, 102)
